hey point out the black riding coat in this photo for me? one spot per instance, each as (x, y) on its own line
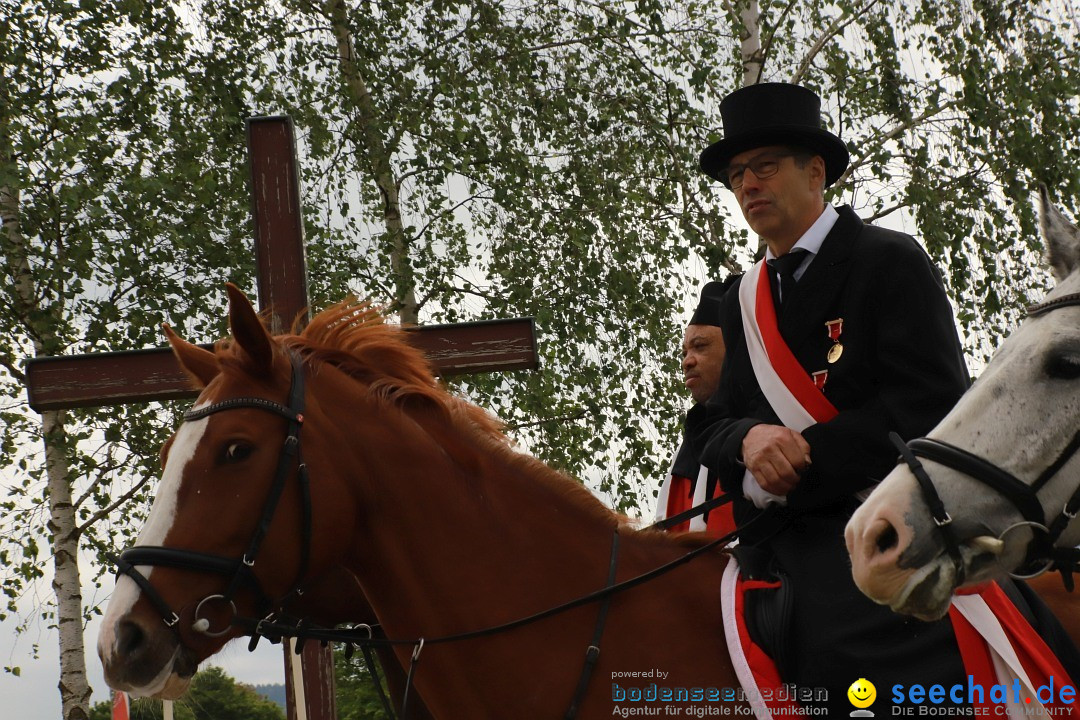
(901, 369)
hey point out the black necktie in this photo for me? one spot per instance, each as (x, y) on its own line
(785, 267)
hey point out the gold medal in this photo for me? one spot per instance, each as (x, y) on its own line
(833, 328)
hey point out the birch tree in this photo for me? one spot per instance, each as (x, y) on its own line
(122, 200)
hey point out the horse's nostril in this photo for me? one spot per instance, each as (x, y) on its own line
(129, 638)
(887, 539)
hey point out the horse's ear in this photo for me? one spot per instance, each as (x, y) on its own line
(1062, 238)
(201, 364)
(248, 331)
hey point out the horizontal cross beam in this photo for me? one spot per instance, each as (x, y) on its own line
(114, 378)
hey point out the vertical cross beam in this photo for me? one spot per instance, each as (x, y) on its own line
(282, 290)
(279, 231)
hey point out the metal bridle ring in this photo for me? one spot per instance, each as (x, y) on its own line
(1034, 526)
(207, 631)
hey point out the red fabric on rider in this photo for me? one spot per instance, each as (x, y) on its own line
(761, 665)
(680, 499)
(1039, 662)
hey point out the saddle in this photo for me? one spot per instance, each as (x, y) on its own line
(767, 604)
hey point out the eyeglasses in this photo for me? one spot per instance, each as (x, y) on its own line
(763, 166)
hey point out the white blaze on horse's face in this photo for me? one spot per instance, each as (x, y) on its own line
(126, 594)
(1020, 415)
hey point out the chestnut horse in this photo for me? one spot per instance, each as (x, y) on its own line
(417, 495)
(998, 489)
(336, 598)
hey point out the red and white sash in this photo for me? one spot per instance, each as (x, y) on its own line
(998, 646)
(794, 397)
(798, 403)
(786, 385)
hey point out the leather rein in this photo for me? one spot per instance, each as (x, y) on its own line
(274, 622)
(1042, 554)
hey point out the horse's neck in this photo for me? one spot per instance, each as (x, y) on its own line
(465, 525)
(456, 540)
(454, 516)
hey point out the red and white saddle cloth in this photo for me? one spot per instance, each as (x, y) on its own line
(998, 646)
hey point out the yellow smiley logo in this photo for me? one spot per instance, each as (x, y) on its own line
(862, 693)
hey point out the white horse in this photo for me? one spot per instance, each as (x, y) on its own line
(996, 472)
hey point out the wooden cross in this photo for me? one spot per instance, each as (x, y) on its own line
(145, 375)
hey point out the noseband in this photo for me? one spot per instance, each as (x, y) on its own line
(1042, 554)
(240, 569)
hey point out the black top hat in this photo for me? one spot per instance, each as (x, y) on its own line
(773, 114)
(710, 307)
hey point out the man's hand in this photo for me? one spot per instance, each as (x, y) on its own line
(776, 455)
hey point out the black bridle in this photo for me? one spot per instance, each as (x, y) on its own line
(1042, 554)
(240, 570)
(272, 621)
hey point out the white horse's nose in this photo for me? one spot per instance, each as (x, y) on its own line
(875, 542)
(876, 537)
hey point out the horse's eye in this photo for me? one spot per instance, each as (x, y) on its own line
(236, 452)
(1064, 365)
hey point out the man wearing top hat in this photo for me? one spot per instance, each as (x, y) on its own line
(843, 334)
(688, 483)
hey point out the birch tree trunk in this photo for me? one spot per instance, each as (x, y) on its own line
(379, 155)
(752, 55)
(74, 687)
(753, 58)
(63, 527)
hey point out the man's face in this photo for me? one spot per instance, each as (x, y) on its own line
(782, 207)
(703, 354)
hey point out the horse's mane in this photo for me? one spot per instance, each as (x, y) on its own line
(353, 337)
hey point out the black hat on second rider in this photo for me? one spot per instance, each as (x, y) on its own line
(710, 306)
